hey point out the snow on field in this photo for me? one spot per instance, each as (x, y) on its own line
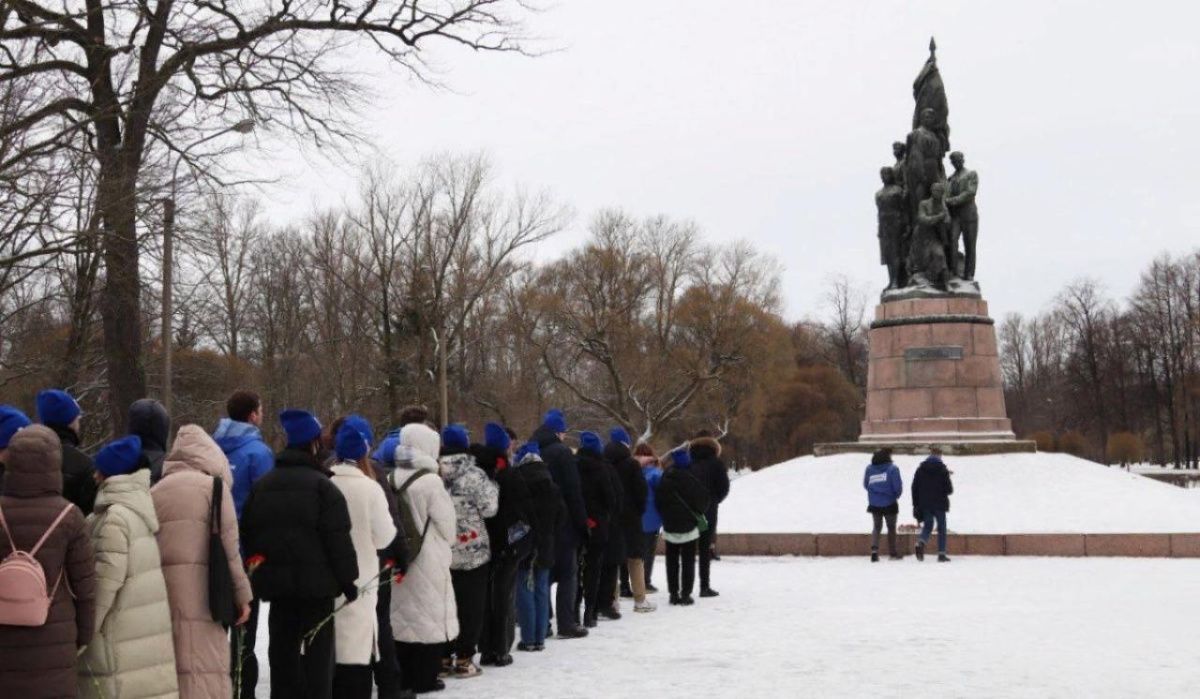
(977, 627)
(1000, 494)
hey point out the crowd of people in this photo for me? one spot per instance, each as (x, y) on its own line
(389, 564)
(931, 489)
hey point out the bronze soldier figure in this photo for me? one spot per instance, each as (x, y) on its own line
(930, 234)
(964, 216)
(893, 228)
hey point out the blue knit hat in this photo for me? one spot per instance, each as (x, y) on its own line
(361, 424)
(386, 453)
(496, 437)
(527, 449)
(55, 407)
(681, 458)
(350, 444)
(455, 437)
(120, 456)
(555, 420)
(619, 435)
(11, 420)
(300, 426)
(590, 442)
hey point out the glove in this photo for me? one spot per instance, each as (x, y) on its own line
(351, 593)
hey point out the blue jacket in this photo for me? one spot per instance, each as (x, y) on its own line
(883, 485)
(651, 519)
(249, 457)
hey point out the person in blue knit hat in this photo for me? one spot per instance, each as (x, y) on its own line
(561, 462)
(602, 497)
(628, 527)
(133, 652)
(296, 528)
(508, 535)
(682, 501)
(57, 410)
(544, 515)
(11, 420)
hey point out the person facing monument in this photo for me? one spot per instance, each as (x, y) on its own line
(893, 227)
(964, 216)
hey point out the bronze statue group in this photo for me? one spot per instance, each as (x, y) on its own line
(389, 564)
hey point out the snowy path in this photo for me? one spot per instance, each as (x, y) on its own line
(978, 627)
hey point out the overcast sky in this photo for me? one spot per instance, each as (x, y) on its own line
(769, 121)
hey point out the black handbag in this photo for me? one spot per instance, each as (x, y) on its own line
(220, 579)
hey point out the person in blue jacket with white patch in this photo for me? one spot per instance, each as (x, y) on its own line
(884, 486)
(250, 459)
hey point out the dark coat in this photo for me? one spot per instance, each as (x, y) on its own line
(680, 494)
(547, 512)
(635, 490)
(563, 469)
(601, 494)
(40, 661)
(78, 471)
(708, 467)
(931, 486)
(148, 420)
(395, 553)
(514, 506)
(298, 520)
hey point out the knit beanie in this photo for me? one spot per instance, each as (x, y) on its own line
(361, 424)
(120, 456)
(350, 444)
(555, 420)
(620, 436)
(386, 453)
(55, 407)
(680, 458)
(455, 437)
(11, 420)
(527, 450)
(590, 442)
(300, 426)
(496, 437)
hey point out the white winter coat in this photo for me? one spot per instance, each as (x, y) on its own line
(423, 609)
(356, 626)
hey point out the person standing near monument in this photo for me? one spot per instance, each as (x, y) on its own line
(930, 233)
(931, 490)
(889, 201)
(964, 217)
(884, 487)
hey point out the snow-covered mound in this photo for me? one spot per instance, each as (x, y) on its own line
(1000, 494)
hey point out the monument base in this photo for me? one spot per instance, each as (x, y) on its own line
(951, 447)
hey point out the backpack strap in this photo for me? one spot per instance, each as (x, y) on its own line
(12, 544)
(214, 511)
(57, 520)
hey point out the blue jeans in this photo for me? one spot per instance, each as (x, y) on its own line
(533, 604)
(927, 529)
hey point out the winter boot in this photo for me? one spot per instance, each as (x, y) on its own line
(503, 660)
(626, 591)
(466, 669)
(674, 599)
(610, 614)
(577, 632)
(709, 592)
(686, 601)
(920, 550)
(644, 607)
(486, 659)
(447, 668)
(526, 647)
(874, 556)
(589, 621)
(943, 558)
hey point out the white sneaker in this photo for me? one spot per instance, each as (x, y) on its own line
(644, 607)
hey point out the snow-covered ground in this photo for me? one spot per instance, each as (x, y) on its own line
(1000, 494)
(977, 627)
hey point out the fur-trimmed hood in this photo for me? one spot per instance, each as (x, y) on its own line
(704, 447)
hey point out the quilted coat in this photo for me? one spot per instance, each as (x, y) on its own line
(476, 497)
(181, 501)
(356, 626)
(423, 608)
(133, 654)
(39, 662)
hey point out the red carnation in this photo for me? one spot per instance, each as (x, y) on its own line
(591, 523)
(253, 562)
(474, 535)
(462, 538)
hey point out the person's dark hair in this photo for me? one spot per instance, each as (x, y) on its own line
(512, 434)
(883, 456)
(414, 414)
(241, 404)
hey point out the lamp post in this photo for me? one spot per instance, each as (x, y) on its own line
(243, 127)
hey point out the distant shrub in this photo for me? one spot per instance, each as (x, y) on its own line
(1072, 443)
(1124, 448)
(1043, 439)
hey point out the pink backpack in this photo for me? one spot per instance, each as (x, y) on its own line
(24, 599)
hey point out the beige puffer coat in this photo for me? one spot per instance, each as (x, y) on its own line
(182, 501)
(132, 655)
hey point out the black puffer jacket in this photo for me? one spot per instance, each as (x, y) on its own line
(679, 495)
(547, 512)
(931, 486)
(563, 469)
(600, 493)
(78, 471)
(633, 486)
(148, 420)
(514, 504)
(297, 519)
(710, 469)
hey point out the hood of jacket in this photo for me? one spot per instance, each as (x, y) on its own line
(194, 450)
(876, 469)
(544, 436)
(232, 435)
(704, 448)
(454, 466)
(131, 491)
(933, 463)
(418, 448)
(66, 435)
(616, 452)
(148, 420)
(33, 466)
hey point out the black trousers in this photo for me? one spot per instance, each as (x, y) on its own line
(608, 585)
(649, 553)
(470, 595)
(498, 622)
(593, 560)
(681, 582)
(419, 665)
(386, 668)
(294, 675)
(245, 636)
(352, 682)
(877, 520)
(566, 575)
(705, 545)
